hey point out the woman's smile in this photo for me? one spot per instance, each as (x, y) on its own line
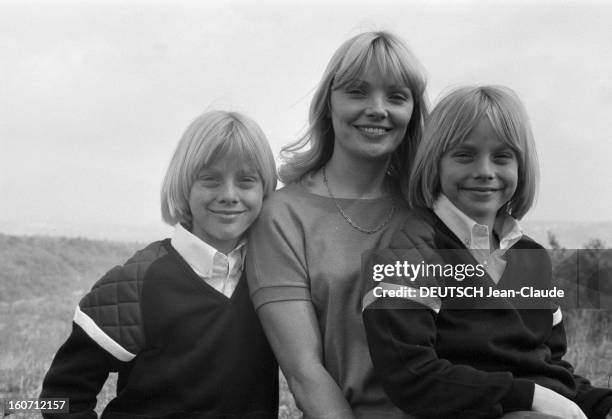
(370, 115)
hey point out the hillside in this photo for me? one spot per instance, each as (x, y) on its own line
(36, 266)
(44, 277)
(570, 234)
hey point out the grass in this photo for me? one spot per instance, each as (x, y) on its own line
(32, 330)
(36, 314)
(589, 342)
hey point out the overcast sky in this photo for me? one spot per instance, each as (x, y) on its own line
(95, 95)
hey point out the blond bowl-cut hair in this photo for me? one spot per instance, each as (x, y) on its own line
(349, 62)
(451, 121)
(213, 135)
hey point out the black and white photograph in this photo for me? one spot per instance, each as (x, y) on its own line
(306, 209)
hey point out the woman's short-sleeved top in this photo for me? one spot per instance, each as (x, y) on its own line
(301, 248)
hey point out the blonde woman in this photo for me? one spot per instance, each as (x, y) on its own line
(342, 197)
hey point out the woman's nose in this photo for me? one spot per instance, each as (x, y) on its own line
(376, 107)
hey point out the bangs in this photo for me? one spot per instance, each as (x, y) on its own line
(235, 144)
(460, 118)
(455, 124)
(232, 149)
(507, 127)
(384, 56)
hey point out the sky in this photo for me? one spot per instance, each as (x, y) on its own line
(95, 95)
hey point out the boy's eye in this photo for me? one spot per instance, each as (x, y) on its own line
(208, 180)
(504, 156)
(462, 155)
(248, 181)
(355, 91)
(400, 96)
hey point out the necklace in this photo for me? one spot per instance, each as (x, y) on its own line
(348, 219)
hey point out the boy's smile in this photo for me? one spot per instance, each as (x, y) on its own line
(225, 199)
(480, 175)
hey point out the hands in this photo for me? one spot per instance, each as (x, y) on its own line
(552, 403)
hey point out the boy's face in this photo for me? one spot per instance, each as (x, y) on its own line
(480, 175)
(225, 199)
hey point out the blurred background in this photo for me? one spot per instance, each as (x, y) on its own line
(95, 95)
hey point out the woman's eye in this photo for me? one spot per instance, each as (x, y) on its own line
(356, 89)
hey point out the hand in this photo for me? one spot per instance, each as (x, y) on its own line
(552, 403)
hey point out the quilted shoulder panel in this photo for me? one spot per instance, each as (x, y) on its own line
(417, 232)
(112, 308)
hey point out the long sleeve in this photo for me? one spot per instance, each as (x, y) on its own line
(78, 373)
(595, 402)
(402, 335)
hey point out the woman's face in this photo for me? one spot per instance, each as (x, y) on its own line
(370, 116)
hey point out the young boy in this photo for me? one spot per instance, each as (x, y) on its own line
(176, 321)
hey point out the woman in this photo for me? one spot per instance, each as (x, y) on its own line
(342, 198)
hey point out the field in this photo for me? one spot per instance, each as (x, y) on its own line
(43, 279)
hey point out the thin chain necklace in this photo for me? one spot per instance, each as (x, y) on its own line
(348, 219)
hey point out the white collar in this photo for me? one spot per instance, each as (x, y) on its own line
(199, 254)
(472, 234)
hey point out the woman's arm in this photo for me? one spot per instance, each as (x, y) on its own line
(293, 332)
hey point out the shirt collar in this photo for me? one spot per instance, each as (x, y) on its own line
(200, 255)
(472, 234)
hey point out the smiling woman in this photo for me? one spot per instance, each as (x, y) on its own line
(341, 199)
(370, 116)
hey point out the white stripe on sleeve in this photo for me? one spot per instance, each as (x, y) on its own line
(100, 337)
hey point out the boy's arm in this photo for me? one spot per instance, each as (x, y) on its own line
(595, 402)
(77, 372)
(107, 332)
(402, 345)
(402, 335)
